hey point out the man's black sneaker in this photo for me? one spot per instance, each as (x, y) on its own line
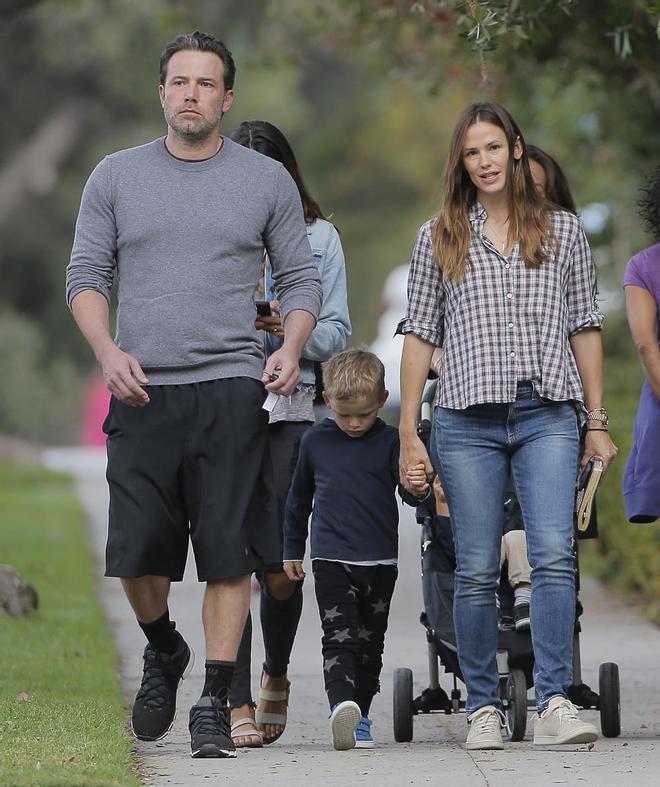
(210, 731)
(521, 617)
(155, 702)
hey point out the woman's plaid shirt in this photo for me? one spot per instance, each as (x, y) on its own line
(504, 323)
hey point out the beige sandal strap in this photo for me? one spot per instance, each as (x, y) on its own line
(264, 717)
(247, 721)
(274, 696)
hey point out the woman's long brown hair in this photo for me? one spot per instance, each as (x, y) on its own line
(265, 138)
(529, 218)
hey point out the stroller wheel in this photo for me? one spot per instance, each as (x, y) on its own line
(610, 702)
(402, 697)
(516, 713)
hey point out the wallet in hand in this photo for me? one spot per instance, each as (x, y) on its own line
(586, 491)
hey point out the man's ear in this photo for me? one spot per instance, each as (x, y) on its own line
(327, 400)
(228, 100)
(383, 399)
(161, 94)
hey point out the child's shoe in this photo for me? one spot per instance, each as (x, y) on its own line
(363, 737)
(344, 719)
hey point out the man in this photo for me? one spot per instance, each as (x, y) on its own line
(183, 222)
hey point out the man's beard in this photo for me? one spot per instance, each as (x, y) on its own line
(192, 132)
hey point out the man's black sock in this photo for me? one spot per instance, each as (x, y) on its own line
(218, 679)
(161, 634)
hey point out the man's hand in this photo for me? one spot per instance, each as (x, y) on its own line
(294, 570)
(285, 363)
(412, 454)
(120, 373)
(598, 444)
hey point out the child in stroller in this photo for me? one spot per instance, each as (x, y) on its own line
(515, 657)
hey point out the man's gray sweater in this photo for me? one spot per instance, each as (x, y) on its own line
(186, 239)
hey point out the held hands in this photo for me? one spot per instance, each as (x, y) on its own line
(412, 455)
(417, 482)
(598, 444)
(121, 374)
(294, 570)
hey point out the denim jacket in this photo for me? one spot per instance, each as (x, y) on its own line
(333, 329)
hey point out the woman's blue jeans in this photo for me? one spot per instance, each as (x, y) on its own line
(474, 451)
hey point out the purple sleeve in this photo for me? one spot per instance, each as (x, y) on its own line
(635, 274)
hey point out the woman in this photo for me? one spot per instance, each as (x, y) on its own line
(549, 179)
(641, 480)
(506, 285)
(281, 599)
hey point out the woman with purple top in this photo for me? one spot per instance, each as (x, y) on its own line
(641, 479)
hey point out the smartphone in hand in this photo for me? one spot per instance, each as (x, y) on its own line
(263, 308)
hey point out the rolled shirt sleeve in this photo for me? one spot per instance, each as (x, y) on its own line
(94, 253)
(583, 310)
(424, 315)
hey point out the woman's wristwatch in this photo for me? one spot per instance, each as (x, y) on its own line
(598, 414)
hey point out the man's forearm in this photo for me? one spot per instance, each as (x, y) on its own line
(92, 315)
(297, 328)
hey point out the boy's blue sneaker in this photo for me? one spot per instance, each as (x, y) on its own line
(363, 737)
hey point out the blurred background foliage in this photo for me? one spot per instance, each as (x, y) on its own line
(368, 92)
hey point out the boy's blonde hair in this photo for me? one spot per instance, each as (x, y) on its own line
(354, 374)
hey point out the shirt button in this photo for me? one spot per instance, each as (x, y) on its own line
(512, 354)
(509, 295)
(507, 265)
(510, 325)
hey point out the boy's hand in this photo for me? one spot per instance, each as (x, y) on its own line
(439, 492)
(294, 570)
(416, 480)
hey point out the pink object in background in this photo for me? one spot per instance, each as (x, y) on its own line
(95, 410)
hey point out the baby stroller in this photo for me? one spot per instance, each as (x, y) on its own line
(515, 655)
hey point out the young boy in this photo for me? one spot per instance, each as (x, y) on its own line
(349, 468)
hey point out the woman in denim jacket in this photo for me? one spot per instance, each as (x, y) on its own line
(281, 599)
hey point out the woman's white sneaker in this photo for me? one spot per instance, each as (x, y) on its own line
(485, 729)
(560, 724)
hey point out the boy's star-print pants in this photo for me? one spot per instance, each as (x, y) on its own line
(354, 605)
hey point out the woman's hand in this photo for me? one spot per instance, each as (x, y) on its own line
(272, 324)
(599, 444)
(412, 454)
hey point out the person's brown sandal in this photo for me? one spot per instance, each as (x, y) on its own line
(265, 717)
(256, 736)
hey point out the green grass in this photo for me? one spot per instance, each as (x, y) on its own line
(62, 719)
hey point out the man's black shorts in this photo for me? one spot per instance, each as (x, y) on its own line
(189, 465)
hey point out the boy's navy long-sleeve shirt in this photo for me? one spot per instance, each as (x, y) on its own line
(352, 483)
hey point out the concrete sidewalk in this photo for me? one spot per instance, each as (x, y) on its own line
(304, 755)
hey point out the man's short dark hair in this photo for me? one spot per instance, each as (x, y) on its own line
(202, 42)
